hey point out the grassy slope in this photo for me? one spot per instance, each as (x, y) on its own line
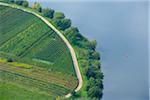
(23, 42)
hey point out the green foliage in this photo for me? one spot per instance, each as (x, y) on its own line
(91, 72)
(47, 12)
(94, 88)
(95, 63)
(89, 60)
(93, 44)
(9, 60)
(95, 92)
(11, 1)
(62, 24)
(59, 15)
(19, 2)
(75, 37)
(75, 95)
(25, 3)
(37, 7)
(95, 55)
(7, 1)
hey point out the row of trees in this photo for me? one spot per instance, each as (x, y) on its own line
(57, 17)
(18, 2)
(89, 60)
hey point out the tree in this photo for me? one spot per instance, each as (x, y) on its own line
(84, 63)
(95, 91)
(99, 74)
(65, 23)
(95, 63)
(93, 44)
(25, 3)
(94, 88)
(37, 7)
(59, 15)
(99, 83)
(75, 37)
(11, 1)
(19, 2)
(7, 1)
(62, 23)
(72, 30)
(47, 12)
(90, 84)
(90, 72)
(9, 60)
(95, 55)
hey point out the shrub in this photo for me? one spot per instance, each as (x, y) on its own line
(9, 60)
(95, 55)
(62, 23)
(94, 88)
(25, 3)
(47, 12)
(93, 44)
(59, 15)
(11, 1)
(19, 2)
(37, 7)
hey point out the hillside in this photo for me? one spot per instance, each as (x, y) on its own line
(33, 56)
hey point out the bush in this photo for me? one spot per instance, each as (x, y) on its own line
(95, 55)
(90, 72)
(37, 7)
(75, 37)
(95, 91)
(9, 60)
(19, 2)
(95, 63)
(59, 15)
(62, 23)
(11, 1)
(93, 44)
(84, 63)
(94, 88)
(47, 12)
(25, 3)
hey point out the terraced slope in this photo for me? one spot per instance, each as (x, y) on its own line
(24, 38)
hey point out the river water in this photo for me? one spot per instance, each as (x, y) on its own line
(121, 30)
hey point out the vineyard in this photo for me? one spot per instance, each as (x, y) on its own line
(24, 38)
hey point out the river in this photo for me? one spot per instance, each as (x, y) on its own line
(121, 30)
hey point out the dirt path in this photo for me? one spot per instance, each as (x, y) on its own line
(73, 55)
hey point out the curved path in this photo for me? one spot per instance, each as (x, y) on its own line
(72, 52)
